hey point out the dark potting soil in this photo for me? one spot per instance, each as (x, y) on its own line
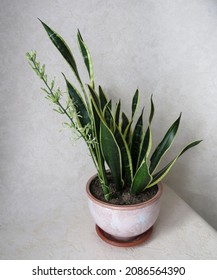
(124, 198)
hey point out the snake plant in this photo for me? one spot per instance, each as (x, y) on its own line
(114, 139)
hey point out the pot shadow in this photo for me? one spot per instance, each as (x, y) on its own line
(174, 211)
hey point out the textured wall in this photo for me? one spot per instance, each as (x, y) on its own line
(168, 48)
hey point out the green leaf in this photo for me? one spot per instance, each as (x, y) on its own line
(163, 172)
(97, 151)
(141, 179)
(46, 91)
(94, 96)
(102, 98)
(126, 157)
(137, 141)
(42, 70)
(125, 122)
(117, 112)
(52, 84)
(146, 145)
(59, 110)
(96, 119)
(96, 125)
(135, 102)
(164, 145)
(110, 104)
(97, 114)
(152, 110)
(112, 154)
(108, 117)
(78, 104)
(127, 133)
(28, 56)
(86, 56)
(63, 48)
(147, 139)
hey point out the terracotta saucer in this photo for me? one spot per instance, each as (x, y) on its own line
(120, 243)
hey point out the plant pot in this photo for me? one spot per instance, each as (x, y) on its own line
(124, 225)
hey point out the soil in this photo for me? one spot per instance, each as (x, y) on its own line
(124, 198)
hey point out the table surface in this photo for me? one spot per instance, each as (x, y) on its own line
(51, 226)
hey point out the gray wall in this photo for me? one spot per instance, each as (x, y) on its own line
(168, 48)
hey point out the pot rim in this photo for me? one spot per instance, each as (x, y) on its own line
(122, 207)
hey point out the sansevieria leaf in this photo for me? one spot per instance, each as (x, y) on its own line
(63, 48)
(96, 120)
(117, 112)
(97, 113)
(102, 98)
(164, 145)
(146, 145)
(109, 104)
(78, 104)
(112, 154)
(163, 172)
(137, 141)
(141, 179)
(94, 96)
(107, 144)
(108, 117)
(86, 56)
(97, 150)
(127, 133)
(125, 122)
(135, 102)
(147, 138)
(126, 157)
(151, 115)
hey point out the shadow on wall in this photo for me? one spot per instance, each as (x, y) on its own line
(179, 180)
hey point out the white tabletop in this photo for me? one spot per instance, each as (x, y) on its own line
(56, 224)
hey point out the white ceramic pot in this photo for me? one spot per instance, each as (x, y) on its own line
(124, 222)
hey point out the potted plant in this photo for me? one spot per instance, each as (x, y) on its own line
(124, 195)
